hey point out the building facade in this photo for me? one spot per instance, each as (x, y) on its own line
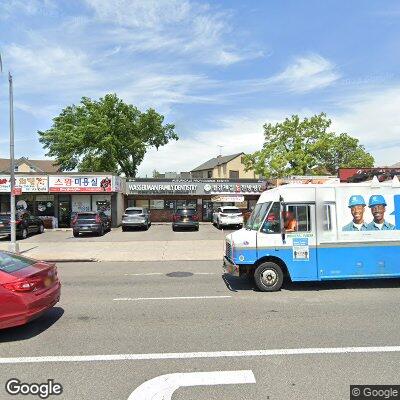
(55, 198)
(223, 167)
(162, 197)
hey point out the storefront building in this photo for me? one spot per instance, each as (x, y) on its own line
(162, 197)
(55, 198)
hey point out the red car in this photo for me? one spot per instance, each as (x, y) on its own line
(28, 288)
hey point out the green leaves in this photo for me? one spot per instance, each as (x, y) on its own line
(295, 147)
(105, 135)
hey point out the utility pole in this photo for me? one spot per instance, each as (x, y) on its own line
(14, 247)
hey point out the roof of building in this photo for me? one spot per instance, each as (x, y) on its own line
(39, 165)
(214, 162)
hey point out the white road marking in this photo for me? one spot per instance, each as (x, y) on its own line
(161, 273)
(163, 387)
(202, 354)
(170, 298)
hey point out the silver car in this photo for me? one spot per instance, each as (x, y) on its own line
(136, 217)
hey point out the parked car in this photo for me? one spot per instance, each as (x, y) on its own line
(91, 222)
(136, 217)
(185, 217)
(28, 288)
(26, 223)
(228, 216)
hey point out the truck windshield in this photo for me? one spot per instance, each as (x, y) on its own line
(257, 216)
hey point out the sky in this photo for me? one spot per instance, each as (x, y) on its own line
(218, 70)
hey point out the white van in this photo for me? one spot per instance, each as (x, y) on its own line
(316, 232)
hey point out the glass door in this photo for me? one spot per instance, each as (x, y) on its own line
(64, 214)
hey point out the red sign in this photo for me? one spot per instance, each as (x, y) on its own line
(17, 191)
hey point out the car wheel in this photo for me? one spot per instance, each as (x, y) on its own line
(268, 277)
(218, 224)
(24, 233)
(76, 234)
(41, 228)
(124, 229)
(101, 232)
(174, 229)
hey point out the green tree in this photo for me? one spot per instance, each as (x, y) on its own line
(105, 135)
(305, 147)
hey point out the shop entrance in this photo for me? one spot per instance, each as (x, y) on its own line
(64, 213)
(207, 211)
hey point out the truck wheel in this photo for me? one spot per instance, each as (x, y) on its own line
(268, 277)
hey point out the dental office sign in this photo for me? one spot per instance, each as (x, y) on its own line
(158, 188)
(28, 184)
(80, 184)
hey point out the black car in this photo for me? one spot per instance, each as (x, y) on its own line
(90, 222)
(185, 218)
(26, 223)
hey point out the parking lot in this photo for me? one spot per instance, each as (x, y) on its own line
(121, 324)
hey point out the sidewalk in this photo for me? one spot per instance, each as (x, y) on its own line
(123, 251)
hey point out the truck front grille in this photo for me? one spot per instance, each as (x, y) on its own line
(228, 250)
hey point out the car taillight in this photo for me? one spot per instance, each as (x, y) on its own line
(98, 220)
(175, 217)
(26, 285)
(195, 217)
(74, 220)
(18, 221)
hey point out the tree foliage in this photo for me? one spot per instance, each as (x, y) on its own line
(105, 135)
(306, 147)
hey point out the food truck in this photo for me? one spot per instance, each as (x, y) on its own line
(318, 232)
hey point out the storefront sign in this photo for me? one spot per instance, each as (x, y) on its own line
(228, 188)
(158, 188)
(28, 184)
(17, 191)
(81, 184)
(199, 188)
(227, 199)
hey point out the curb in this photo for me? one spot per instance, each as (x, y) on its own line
(71, 260)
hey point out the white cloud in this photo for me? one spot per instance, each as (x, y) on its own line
(27, 7)
(307, 73)
(373, 117)
(235, 134)
(43, 67)
(171, 26)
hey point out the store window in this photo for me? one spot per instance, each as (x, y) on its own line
(209, 174)
(157, 204)
(44, 205)
(102, 203)
(170, 204)
(144, 203)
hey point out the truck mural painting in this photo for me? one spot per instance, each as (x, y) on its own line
(336, 231)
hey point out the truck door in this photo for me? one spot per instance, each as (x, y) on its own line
(289, 233)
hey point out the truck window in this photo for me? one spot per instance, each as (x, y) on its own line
(272, 223)
(257, 216)
(301, 215)
(327, 217)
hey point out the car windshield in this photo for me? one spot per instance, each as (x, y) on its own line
(257, 216)
(186, 211)
(11, 263)
(230, 211)
(133, 212)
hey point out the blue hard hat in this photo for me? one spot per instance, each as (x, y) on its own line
(376, 200)
(356, 200)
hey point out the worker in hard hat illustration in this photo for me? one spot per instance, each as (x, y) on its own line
(357, 206)
(377, 204)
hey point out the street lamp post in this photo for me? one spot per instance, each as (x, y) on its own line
(14, 247)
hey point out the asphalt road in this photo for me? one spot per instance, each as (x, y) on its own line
(157, 232)
(138, 311)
